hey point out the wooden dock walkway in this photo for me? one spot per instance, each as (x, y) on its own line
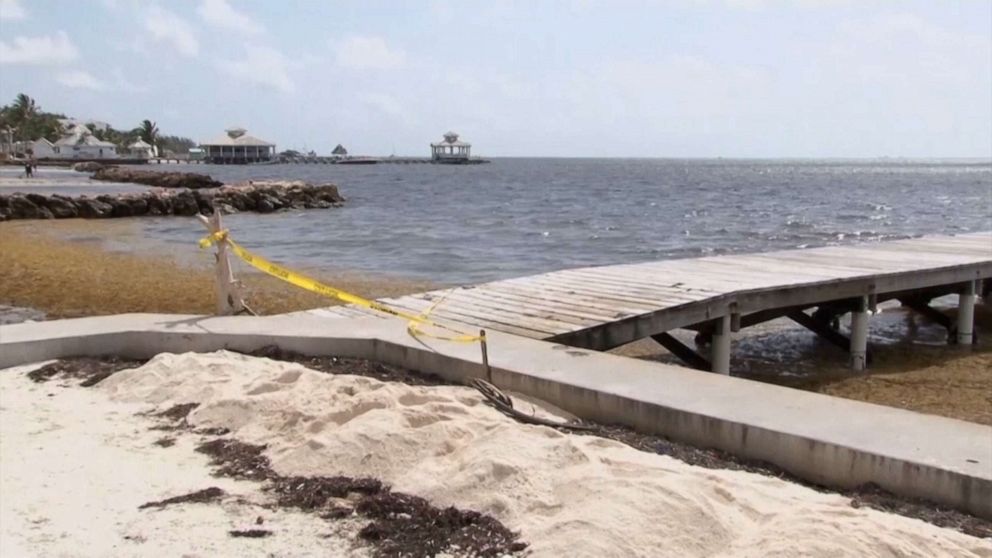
(604, 307)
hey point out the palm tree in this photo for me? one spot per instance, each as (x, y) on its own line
(148, 132)
(24, 106)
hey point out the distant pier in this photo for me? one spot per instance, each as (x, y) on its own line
(376, 160)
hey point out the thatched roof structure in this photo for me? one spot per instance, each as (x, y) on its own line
(451, 139)
(237, 137)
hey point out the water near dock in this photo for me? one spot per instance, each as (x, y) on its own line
(455, 224)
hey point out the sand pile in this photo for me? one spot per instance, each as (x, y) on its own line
(77, 473)
(566, 494)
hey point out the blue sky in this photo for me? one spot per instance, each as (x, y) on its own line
(679, 78)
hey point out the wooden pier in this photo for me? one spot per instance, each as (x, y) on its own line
(604, 307)
(318, 160)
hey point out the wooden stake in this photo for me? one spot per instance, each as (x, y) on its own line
(485, 355)
(229, 300)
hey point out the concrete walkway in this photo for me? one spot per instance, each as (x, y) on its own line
(825, 440)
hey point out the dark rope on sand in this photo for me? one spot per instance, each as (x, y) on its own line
(504, 404)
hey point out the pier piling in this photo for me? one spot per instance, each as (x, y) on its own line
(721, 345)
(966, 314)
(859, 335)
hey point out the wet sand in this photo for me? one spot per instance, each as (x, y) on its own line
(58, 180)
(914, 368)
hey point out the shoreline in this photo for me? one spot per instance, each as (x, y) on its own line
(441, 444)
(66, 278)
(75, 278)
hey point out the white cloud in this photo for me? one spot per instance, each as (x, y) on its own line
(79, 79)
(222, 14)
(43, 50)
(167, 27)
(389, 106)
(366, 53)
(263, 66)
(122, 83)
(12, 10)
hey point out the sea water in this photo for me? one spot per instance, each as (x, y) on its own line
(512, 217)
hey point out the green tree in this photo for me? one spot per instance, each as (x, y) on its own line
(24, 107)
(148, 132)
(28, 122)
(175, 144)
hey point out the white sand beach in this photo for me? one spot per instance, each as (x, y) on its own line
(75, 467)
(75, 464)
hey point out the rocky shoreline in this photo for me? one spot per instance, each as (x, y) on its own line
(190, 180)
(260, 197)
(175, 193)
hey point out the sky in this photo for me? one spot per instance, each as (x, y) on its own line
(583, 78)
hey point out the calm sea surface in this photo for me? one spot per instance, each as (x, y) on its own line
(463, 224)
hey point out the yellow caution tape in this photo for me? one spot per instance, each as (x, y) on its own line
(312, 285)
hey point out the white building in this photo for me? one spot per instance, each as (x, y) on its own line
(141, 150)
(42, 149)
(37, 149)
(451, 150)
(237, 147)
(80, 143)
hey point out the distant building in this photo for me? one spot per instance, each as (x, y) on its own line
(97, 125)
(340, 151)
(451, 150)
(237, 147)
(141, 150)
(80, 143)
(41, 149)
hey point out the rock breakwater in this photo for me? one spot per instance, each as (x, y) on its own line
(260, 197)
(189, 180)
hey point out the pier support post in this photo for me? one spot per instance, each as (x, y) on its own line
(687, 355)
(966, 314)
(229, 301)
(859, 335)
(720, 357)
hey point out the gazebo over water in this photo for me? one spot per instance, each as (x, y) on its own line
(451, 150)
(237, 147)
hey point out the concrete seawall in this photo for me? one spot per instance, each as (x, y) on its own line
(825, 440)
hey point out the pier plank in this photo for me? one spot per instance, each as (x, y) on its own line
(605, 306)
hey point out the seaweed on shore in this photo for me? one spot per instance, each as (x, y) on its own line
(199, 497)
(245, 461)
(112, 282)
(88, 369)
(250, 533)
(401, 524)
(867, 495)
(352, 366)
(237, 459)
(178, 412)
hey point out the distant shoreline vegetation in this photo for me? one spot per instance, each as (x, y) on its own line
(24, 120)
